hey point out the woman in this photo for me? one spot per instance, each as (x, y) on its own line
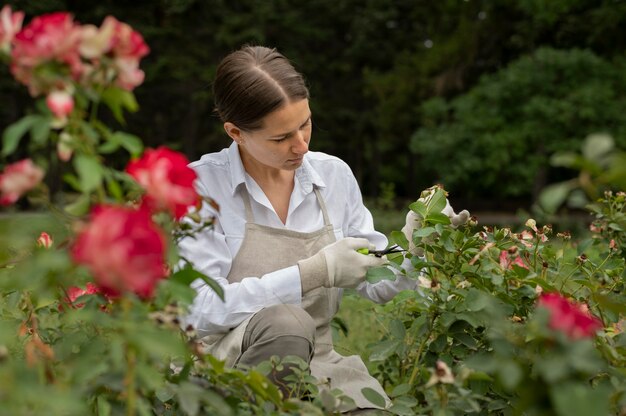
(285, 238)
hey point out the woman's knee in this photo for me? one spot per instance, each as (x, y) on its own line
(281, 320)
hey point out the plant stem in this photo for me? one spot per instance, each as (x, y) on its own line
(421, 348)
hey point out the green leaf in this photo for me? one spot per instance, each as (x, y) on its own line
(118, 100)
(437, 218)
(80, 206)
(437, 202)
(509, 374)
(104, 407)
(579, 399)
(40, 130)
(130, 142)
(376, 274)
(397, 330)
(383, 350)
(419, 207)
(597, 146)
(423, 232)
(398, 237)
(373, 396)
(439, 343)
(567, 160)
(465, 339)
(400, 390)
(189, 396)
(187, 275)
(553, 196)
(14, 133)
(89, 172)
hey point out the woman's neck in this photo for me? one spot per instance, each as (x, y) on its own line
(264, 174)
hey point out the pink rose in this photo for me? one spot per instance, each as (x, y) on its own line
(61, 103)
(10, 24)
(569, 317)
(124, 250)
(50, 37)
(127, 49)
(17, 179)
(44, 240)
(167, 179)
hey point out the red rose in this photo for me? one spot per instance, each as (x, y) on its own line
(17, 179)
(124, 250)
(50, 37)
(569, 317)
(167, 179)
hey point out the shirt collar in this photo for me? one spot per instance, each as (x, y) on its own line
(305, 174)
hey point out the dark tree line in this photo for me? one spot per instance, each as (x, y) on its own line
(373, 67)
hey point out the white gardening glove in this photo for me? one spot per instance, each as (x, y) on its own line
(414, 222)
(338, 265)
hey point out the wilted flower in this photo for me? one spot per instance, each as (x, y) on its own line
(442, 374)
(507, 260)
(525, 237)
(167, 179)
(124, 250)
(10, 25)
(568, 317)
(44, 240)
(17, 179)
(565, 235)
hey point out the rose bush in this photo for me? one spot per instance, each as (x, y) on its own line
(504, 322)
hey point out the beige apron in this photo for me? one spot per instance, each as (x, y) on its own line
(266, 249)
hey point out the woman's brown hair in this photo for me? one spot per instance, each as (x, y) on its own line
(252, 82)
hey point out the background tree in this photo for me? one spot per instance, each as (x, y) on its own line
(370, 66)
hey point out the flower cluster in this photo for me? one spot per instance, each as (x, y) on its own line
(568, 317)
(53, 54)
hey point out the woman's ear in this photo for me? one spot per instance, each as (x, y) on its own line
(233, 131)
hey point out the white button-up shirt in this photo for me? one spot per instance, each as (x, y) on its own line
(220, 177)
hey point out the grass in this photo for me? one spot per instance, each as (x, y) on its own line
(359, 316)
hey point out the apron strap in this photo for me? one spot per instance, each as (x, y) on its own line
(250, 216)
(320, 201)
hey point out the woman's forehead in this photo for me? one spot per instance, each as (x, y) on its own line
(287, 118)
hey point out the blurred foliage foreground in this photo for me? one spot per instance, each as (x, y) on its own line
(90, 315)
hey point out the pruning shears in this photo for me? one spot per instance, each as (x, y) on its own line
(379, 253)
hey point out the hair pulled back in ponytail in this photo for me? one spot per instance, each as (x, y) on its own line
(252, 82)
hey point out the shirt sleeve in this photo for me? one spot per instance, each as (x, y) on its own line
(209, 254)
(361, 224)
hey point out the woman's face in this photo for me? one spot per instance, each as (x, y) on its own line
(282, 141)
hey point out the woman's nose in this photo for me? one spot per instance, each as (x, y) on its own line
(301, 146)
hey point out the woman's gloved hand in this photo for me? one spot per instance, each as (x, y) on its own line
(414, 222)
(338, 265)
